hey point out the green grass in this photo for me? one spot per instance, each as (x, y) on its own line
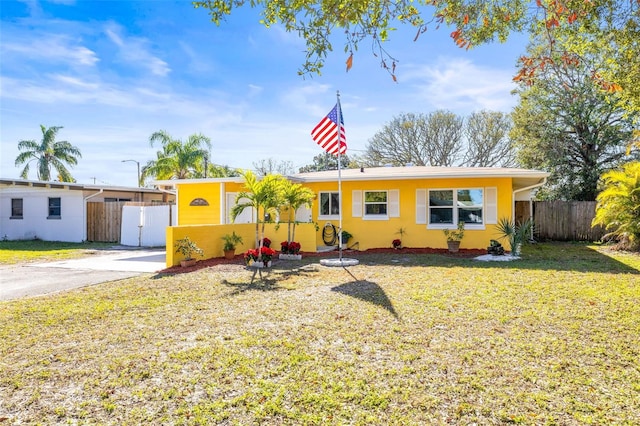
(406, 339)
(12, 252)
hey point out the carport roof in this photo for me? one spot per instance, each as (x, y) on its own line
(72, 186)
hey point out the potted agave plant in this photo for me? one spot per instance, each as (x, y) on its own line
(516, 234)
(187, 248)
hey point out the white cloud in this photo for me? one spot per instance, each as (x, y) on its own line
(255, 90)
(309, 98)
(197, 63)
(50, 48)
(135, 51)
(459, 84)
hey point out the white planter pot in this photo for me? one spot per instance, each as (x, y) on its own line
(259, 265)
(290, 256)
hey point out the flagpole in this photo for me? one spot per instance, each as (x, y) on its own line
(339, 110)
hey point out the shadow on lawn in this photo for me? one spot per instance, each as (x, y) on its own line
(265, 280)
(559, 256)
(367, 291)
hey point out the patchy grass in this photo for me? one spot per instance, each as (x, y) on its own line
(399, 339)
(12, 252)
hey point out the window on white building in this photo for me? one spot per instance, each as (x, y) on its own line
(16, 208)
(55, 208)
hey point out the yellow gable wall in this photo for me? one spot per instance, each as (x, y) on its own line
(198, 215)
(213, 193)
(380, 233)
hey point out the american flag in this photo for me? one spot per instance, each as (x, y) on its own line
(325, 133)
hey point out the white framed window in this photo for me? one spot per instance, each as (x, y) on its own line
(16, 208)
(55, 208)
(375, 203)
(447, 207)
(329, 205)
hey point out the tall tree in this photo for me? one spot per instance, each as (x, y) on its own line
(422, 140)
(326, 161)
(572, 26)
(488, 142)
(177, 159)
(217, 171)
(269, 166)
(566, 125)
(48, 154)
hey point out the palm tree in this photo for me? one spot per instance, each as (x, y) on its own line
(294, 196)
(263, 195)
(618, 207)
(177, 160)
(48, 154)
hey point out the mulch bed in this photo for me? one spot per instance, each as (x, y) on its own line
(239, 259)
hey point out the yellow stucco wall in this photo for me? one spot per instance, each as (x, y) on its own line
(205, 225)
(209, 238)
(380, 233)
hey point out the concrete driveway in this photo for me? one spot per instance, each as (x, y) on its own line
(36, 279)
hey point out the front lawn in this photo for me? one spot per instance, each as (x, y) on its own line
(406, 339)
(12, 252)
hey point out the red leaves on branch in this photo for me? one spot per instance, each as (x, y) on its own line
(530, 66)
(350, 61)
(558, 11)
(605, 85)
(460, 41)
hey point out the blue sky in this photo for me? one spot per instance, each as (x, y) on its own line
(114, 72)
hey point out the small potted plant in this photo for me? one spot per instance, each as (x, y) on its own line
(187, 248)
(454, 236)
(230, 243)
(346, 236)
(495, 248)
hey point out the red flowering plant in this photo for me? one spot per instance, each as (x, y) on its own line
(266, 242)
(266, 254)
(263, 254)
(396, 243)
(292, 247)
(251, 255)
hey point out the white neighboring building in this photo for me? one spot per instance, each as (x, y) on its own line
(57, 211)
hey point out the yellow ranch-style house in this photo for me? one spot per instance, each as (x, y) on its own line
(375, 203)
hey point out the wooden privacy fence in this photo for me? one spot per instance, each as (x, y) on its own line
(104, 221)
(563, 220)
